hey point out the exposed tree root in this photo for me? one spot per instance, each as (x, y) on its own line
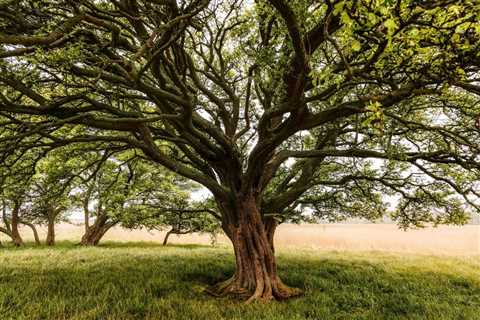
(256, 278)
(263, 291)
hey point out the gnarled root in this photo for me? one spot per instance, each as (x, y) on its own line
(263, 290)
(256, 277)
(227, 287)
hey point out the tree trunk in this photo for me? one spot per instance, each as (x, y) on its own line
(50, 233)
(92, 237)
(16, 238)
(34, 230)
(95, 233)
(256, 268)
(165, 240)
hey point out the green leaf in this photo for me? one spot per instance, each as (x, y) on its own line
(356, 45)
(391, 25)
(338, 7)
(345, 18)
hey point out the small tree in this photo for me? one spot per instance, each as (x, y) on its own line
(50, 192)
(113, 192)
(15, 182)
(185, 221)
(175, 214)
(105, 189)
(161, 201)
(13, 217)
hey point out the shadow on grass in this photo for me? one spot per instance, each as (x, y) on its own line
(32, 245)
(149, 244)
(106, 244)
(130, 283)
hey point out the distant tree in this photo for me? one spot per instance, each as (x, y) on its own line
(268, 104)
(11, 222)
(15, 182)
(102, 195)
(185, 220)
(50, 191)
(174, 213)
(118, 190)
(13, 216)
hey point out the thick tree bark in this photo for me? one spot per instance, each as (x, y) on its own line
(34, 230)
(95, 233)
(256, 274)
(16, 238)
(50, 233)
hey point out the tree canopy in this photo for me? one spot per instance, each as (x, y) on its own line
(271, 105)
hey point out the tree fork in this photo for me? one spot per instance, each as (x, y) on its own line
(95, 232)
(91, 237)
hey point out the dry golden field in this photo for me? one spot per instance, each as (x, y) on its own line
(443, 240)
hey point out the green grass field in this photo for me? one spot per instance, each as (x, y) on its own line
(147, 281)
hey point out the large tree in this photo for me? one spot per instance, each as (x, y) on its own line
(270, 105)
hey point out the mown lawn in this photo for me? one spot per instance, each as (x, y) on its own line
(147, 281)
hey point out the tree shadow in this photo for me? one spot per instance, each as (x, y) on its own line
(106, 244)
(28, 245)
(150, 244)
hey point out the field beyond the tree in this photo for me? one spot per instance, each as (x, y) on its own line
(148, 281)
(443, 240)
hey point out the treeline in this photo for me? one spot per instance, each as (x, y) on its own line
(111, 188)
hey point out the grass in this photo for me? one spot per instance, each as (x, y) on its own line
(147, 281)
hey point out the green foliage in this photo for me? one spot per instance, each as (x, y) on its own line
(375, 118)
(364, 99)
(50, 193)
(126, 190)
